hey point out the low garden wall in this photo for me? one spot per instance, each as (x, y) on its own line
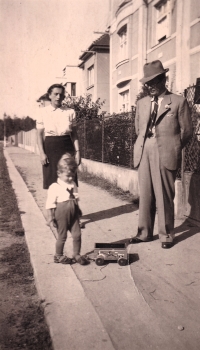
(187, 198)
(126, 179)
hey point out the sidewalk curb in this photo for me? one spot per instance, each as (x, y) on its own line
(67, 309)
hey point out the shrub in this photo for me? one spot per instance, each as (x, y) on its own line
(84, 106)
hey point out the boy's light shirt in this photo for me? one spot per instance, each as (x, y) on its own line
(57, 193)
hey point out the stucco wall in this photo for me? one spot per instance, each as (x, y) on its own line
(191, 196)
(167, 49)
(187, 199)
(103, 76)
(126, 179)
(194, 67)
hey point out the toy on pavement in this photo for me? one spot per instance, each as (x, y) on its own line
(110, 251)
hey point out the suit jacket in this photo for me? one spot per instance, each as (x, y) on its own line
(173, 128)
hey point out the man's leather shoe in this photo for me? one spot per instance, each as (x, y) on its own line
(135, 240)
(167, 245)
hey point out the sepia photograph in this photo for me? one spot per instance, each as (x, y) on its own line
(99, 153)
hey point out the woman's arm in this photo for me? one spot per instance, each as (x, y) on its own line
(43, 157)
(74, 137)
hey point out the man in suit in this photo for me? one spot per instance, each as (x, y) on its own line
(164, 126)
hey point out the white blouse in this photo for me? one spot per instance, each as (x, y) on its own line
(55, 121)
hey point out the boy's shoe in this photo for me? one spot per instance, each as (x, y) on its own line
(82, 260)
(63, 260)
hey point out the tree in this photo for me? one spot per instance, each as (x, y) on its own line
(10, 126)
(1, 129)
(84, 106)
(143, 93)
(27, 124)
(15, 124)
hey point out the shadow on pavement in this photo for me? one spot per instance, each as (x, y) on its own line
(182, 232)
(109, 213)
(186, 230)
(133, 258)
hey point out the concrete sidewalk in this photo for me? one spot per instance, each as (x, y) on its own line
(139, 306)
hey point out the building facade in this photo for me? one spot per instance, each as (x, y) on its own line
(145, 30)
(95, 68)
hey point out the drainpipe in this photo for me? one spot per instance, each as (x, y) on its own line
(146, 4)
(4, 130)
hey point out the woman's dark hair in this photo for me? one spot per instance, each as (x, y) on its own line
(59, 86)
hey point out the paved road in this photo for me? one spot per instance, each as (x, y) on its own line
(136, 307)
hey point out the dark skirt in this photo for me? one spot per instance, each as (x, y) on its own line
(54, 148)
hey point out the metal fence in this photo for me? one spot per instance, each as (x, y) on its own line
(191, 153)
(110, 139)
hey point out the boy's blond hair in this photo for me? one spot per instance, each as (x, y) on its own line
(67, 163)
(67, 155)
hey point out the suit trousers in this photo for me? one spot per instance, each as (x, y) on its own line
(157, 192)
(67, 217)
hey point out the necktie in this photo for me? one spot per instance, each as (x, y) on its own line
(153, 117)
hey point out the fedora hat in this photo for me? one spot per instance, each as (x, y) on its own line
(152, 70)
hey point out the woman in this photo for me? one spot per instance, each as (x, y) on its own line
(57, 134)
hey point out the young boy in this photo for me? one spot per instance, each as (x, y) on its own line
(63, 211)
(69, 156)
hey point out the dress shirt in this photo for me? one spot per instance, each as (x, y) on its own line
(160, 98)
(55, 121)
(57, 193)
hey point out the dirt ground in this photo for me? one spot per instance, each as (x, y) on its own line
(22, 321)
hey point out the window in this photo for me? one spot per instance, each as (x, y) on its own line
(91, 76)
(162, 20)
(123, 52)
(73, 89)
(124, 101)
